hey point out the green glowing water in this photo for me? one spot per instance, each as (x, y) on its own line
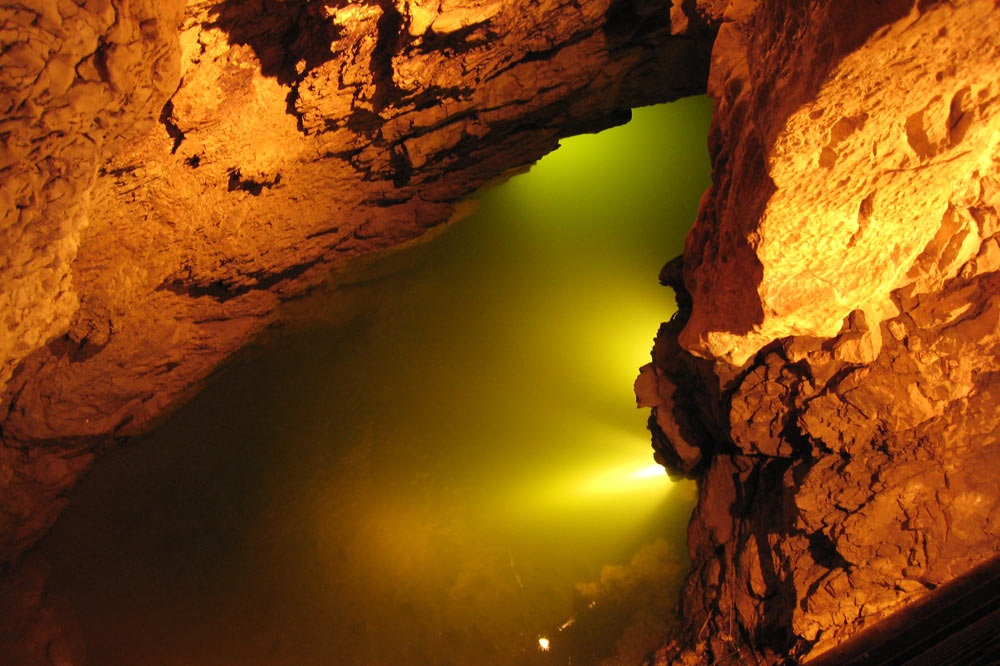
(432, 461)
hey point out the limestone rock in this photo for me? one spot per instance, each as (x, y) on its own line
(76, 82)
(841, 283)
(833, 196)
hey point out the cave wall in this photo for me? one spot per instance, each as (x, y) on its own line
(79, 81)
(171, 173)
(831, 376)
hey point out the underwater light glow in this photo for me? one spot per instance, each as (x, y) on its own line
(635, 476)
(649, 471)
(441, 446)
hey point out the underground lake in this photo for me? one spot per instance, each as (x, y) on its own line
(433, 459)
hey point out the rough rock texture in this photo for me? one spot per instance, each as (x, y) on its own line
(78, 81)
(832, 374)
(171, 173)
(853, 139)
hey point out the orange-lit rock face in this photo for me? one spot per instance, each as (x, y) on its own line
(173, 172)
(846, 187)
(833, 374)
(77, 81)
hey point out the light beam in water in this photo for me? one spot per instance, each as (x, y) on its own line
(649, 471)
(635, 476)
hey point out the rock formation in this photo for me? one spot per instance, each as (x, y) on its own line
(170, 172)
(832, 373)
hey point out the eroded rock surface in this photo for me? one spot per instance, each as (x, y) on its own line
(832, 374)
(79, 81)
(171, 173)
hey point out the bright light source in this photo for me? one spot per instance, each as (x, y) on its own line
(637, 476)
(543, 644)
(649, 472)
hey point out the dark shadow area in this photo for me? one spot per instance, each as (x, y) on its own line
(457, 41)
(173, 131)
(222, 290)
(631, 21)
(254, 187)
(281, 34)
(390, 37)
(763, 494)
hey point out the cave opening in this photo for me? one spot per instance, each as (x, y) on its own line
(434, 459)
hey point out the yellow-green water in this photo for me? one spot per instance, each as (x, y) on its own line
(437, 460)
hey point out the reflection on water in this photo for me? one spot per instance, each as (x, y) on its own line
(436, 460)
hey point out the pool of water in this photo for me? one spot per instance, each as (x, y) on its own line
(436, 459)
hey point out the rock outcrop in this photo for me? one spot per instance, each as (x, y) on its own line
(171, 173)
(832, 374)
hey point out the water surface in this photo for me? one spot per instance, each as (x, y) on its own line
(435, 460)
